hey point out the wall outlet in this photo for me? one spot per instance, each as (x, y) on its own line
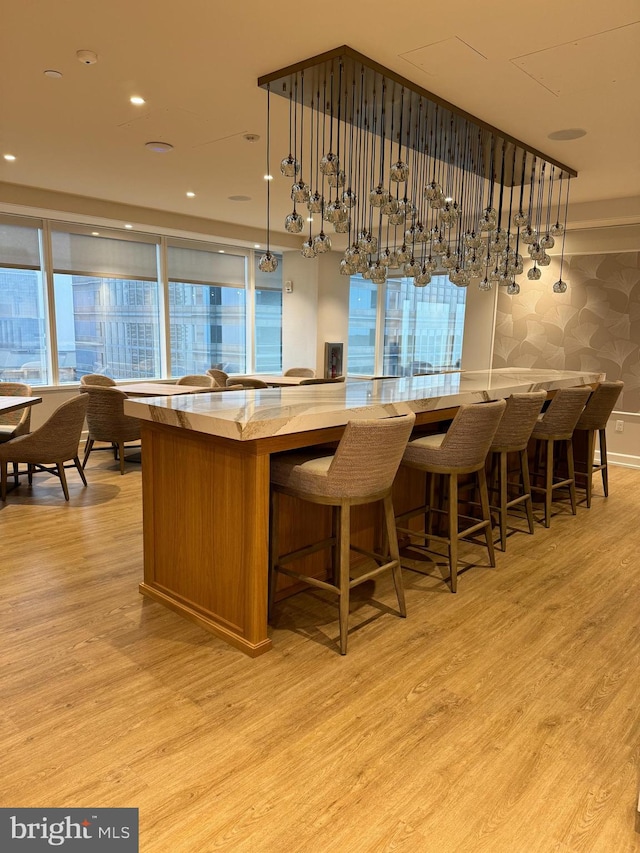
(288, 287)
(619, 426)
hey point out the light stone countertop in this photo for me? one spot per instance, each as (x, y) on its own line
(253, 414)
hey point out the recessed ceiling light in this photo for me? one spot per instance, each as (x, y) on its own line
(221, 251)
(568, 133)
(191, 195)
(256, 245)
(137, 100)
(128, 226)
(95, 233)
(268, 177)
(309, 218)
(239, 198)
(159, 147)
(10, 157)
(54, 75)
(251, 137)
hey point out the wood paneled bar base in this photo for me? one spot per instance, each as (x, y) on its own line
(206, 462)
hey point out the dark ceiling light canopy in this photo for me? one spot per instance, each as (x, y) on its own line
(416, 183)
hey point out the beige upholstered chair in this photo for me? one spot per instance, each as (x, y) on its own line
(555, 425)
(514, 432)
(194, 379)
(96, 379)
(360, 471)
(321, 381)
(54, 443)
(218, 376)
(461, 450)
(13, 424)
(594, 419)
(300, 371)
(246, 382)
(107, 421)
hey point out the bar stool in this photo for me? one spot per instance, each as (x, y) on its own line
(461, 450)
(514, 432)
(554, 425)
(360, 471)
(594, 419)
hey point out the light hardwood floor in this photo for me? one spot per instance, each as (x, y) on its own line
(500, 720)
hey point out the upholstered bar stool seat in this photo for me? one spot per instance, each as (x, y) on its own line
(594, 419)
(556, 425)
(519, 419)
(361, 471)
(461, 450)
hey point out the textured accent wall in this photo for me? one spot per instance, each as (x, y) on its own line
(595, 325)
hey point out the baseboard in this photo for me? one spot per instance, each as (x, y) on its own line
(623, 459)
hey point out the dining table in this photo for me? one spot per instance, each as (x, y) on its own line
(160, 389)
(12, 404)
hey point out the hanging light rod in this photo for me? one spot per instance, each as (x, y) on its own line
(414, 183)
(282, 82)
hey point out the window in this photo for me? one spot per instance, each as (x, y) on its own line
(361, 358)
(423, 326)
(23, 355)
(106, 300)
(207, 308)
(111, 300)
(268, 320)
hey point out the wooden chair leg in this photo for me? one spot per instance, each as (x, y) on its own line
(502, 492)
(548, 482)
(63, 479)
(121, 454)
(3, 481)
(344, 534)
(274, 545)
(394, 553)
(15, 474)
(591, 448)
(76, 462)
(603, 461)
(526, 486)
(486, 511)
(87, 450)
(572, 476)
(30, 474)
(453, 530)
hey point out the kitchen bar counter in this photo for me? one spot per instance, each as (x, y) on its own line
(264, 413)
(206, 460)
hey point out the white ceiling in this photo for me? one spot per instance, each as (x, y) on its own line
(529, 69)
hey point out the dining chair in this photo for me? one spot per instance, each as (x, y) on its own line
(361, 471)
(96, 379)
(54, 443)
(246, 382)
(106, 421)
(514, 432)
(309, 372)
(460, 451)
(554, 429)
(594, 419)
(13, 424)
(203, 380)
(218, 376)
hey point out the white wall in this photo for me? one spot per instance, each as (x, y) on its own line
(333, 306)
(300, 312)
